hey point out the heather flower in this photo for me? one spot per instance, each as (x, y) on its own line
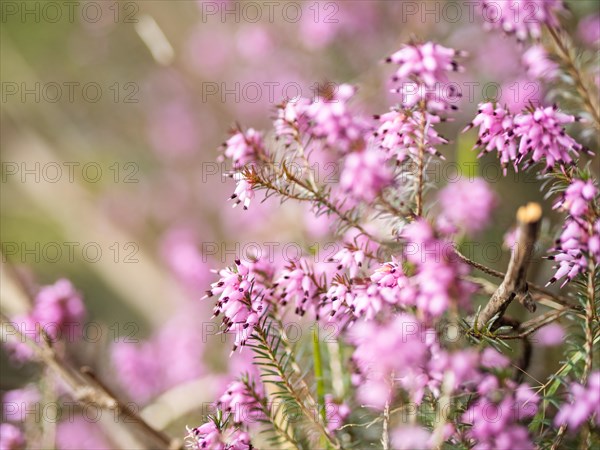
(550, 335)
(210, 437)
(81, 433)
(466, 206)
(401, 133)
(493, 359)
(241, 300)
(411, 438)
(589, 29)
(336, 413)
(243, 191)
(543, 136)
(298, 282)
(244, 147)
(584, 403)
(494, 424)
(496, 132)
(59, 309)
(365, 175)
(17, 403)
(538, 64)
(579, 242)
(578, 197)
(327, 117)
(396, 347)
(576, 242)
(438, 275)
(240, 403)
(422, 71)
(11, 437)
(539, 133)
(350, 259)
(523, 18)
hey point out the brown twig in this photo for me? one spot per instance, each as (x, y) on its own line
(514, 285)
(84, 385)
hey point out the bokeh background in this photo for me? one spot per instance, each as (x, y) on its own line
(112, 118)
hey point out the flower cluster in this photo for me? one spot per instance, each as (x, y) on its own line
(365, 175)
(327, 118)
(211, 436)
(242, 301)
(584, 404)
(240, 403)
(438, 273)
(538, 64)
(400, 134)
(422, 70)
(537, 134)
(579, 241)
(466, 206)
(523, 18)
(58, 310)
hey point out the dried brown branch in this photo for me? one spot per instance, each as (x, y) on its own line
(514, 285)
(84, 386)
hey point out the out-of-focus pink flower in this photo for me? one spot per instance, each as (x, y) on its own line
(336, 413)
(173, 130)
(180, 250)
(11, 437)
(538, 64)
(59, 308)
(467, 206)
(523, 18)
(410, 438)
(585, 401)
(492, 359)
(589, 29)
(18, 402)
(550, 335)
(80, 433)
(244, 147)
(365, 175)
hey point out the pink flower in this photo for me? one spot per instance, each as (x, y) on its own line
(244, 147)
(241, 300)
(400, 134)
(422, 69)
(523, 18)
(578, 197)
(80, 433)
(411, 438)
(17, 403)
(538, 64)
(543, 136)
(336, 413)
(589, 29)
(365, 175)
(496, 132)
(59, 309)
(297, 282)
(239, 402)
(11, 437)
(326, 118)
(492, 359)
(467, 205)
(550, 335)
(585, 402)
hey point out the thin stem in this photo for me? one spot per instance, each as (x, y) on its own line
(300, 399)
(589, 319)
(385, 436)
(582, 86)
(421, 164)
(84, 386)
(318, 363)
